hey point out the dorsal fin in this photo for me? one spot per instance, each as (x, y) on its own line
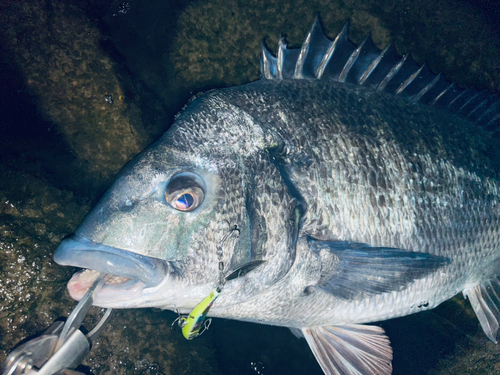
(342, 61)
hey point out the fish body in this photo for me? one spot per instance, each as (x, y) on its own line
(365, 200)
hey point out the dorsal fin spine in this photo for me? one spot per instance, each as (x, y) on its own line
(323, 59)
(330, 51)
(304, 51)
(373, 65)
(442, 93)
(266, 62)
(281, 58)
(468, 102)
(422, 92)
(352, 59)
(492, 108)
(450, 104)
(409, 80)
(392, 73)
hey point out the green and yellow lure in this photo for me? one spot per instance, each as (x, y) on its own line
(195, 323)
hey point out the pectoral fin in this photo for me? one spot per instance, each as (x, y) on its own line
(351, 349)
(485, 300)
(356, 269)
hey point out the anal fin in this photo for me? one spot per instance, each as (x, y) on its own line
(485, 300)
(351, 349)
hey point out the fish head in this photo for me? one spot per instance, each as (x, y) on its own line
(164, 229)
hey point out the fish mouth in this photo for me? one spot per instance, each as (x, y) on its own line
(128, 274)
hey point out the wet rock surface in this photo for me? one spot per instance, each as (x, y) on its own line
(34, 217)
(89, 84)
(79, 88)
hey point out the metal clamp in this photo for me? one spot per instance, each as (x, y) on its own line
(62, 347)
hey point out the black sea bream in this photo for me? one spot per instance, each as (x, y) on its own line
(366, 185)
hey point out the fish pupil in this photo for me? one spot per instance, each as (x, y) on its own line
(185, 201)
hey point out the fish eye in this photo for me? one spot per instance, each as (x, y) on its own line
(184, 192)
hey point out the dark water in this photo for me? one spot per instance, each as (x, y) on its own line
(160, 54)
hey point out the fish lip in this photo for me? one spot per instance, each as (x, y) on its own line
(79, 251)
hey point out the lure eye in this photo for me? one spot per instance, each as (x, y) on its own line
(184, 192)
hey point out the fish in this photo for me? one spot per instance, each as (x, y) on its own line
(362, 185)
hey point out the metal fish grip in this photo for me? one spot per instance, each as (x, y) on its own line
(62, 347)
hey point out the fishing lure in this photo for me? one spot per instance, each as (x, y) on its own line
(196, 323)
